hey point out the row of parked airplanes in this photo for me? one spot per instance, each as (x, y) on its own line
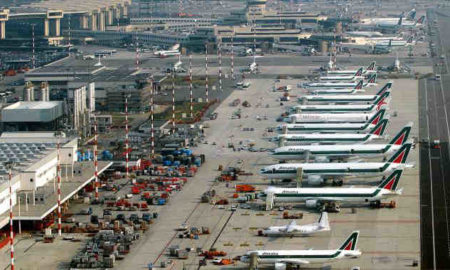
(333, 123)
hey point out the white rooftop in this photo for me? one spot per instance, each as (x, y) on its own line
(33, 105)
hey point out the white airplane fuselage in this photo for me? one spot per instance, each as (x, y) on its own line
(326, 138)
(312, 256)
(326, 128)
(330, 117)
(370, 169)
(301, 152)
(339, 98)
(335, 108)
(299, 230)
(330, 194)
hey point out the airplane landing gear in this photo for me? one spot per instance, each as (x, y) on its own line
(338, 182)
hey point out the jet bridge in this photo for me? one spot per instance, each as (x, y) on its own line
(270, 197)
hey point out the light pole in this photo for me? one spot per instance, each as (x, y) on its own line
(152, 120)
(95, 158)
(127, 146)
(9, 166)
(190, 88)
(206, 74)
(58, 175)
(173, 101)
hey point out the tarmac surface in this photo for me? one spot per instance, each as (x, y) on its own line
(434, 98)
(290, 62)
(389, 237)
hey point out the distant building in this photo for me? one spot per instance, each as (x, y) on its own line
(32, 116)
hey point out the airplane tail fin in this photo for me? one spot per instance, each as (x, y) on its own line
(323, 221)
(391, 182)
(402, 154)
(376, 118)
(372, 78)
(380, 128)
(421, 20)
(386, 87)
(351, 242)
(411, 14)
(360, 84)
(359, 72)
(409, 40)
(175, 47)
(402, 135)
(382, 99)
(371, 66)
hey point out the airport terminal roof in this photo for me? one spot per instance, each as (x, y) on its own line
(32, 111)
(32, 105)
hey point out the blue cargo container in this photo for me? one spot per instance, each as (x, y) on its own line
(107, 155)
(198, 161)
(161, 201)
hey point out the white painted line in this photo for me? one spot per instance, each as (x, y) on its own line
(443, 182)
(431, 178)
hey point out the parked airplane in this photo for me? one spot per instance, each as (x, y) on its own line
(174, 51)
(370, 69)
(317, 173)
(401, 23)
(327, 153)
(409, 17)
(334, 91)
(282, 258)
(334, 127)
(324, 108)
(390, 43)
(292, 229)
(334, 138)
(370, 82)
(317, 197)
(356, 76)
(177, 67)
(368, 34)
(306, 118)
(382, 94)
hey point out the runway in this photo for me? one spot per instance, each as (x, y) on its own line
(434, 113)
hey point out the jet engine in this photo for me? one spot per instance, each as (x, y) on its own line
(312, 203)
(315, 180)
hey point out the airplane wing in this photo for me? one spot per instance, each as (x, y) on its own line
(293, 261)
(291, 226)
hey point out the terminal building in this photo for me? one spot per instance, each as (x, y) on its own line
(102, 89)
(32, 157)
